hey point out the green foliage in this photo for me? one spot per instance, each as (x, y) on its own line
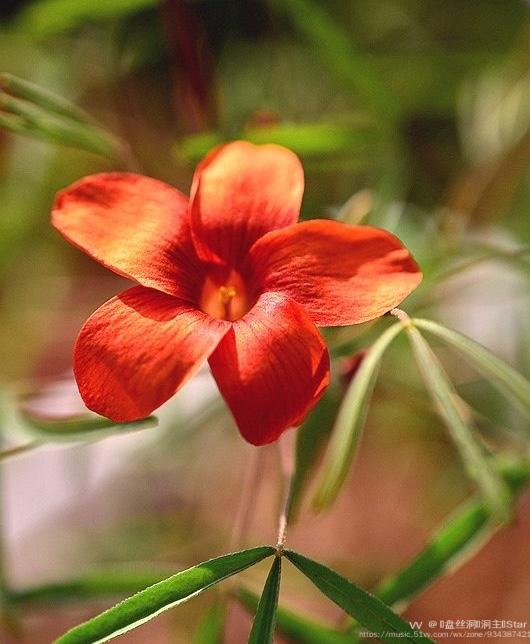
(465, 528)
(471, 451)
(456, 540)
(97, 584)
(30, 122)
(369, 611)
(37, 113)
(83, 427)
(210, 630)
(17, 422)
(311, 439)
(42, 98)
(501, 375)
(308, 140)
(264, 623)
(149, 603)
(297, 628)
(46, 18)
(350, 421)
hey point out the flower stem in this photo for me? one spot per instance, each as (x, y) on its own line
(287, 460)
(402, 316)
(250, 483)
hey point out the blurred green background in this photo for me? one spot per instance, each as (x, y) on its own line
(411, 115)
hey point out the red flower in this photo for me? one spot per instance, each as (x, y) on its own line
(228, 276)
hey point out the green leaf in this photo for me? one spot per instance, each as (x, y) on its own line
(263, 627)
(469, 527)
(194, 147)
(316, 139)
(28, 119)
(351, 419)
(453, 544)
(516, 257)
(471, 451)
(97, 584)
(86, 427)
(81, 427)
(211, 628)
(45, 99)
(311, 439)
(46, 18)
(368, 610)
(441, 553)
(297, 628)
(149, 603)
(13, 123)
(501, 375)
(308, 140)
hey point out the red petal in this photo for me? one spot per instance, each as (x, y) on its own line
(340, 274)
(271, 368)
(241, 191)
(138, 348)
(134, 225)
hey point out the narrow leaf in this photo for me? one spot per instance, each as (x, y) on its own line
(13, 123)
(350, 421)
(311, 440)
(98, 584)
(516, 256)
(478, 466)
(45, 18)
(297, 628)
(81, 427)
(441, 553)
(317, 139)
(45, 99)
(451, 546)
(211, 628)
(501, 375)
(263, 627)
(369, 611)
(149, 603)
(469, 527)
(308, 140)
(33, 121)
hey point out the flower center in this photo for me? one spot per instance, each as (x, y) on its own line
(225, 295)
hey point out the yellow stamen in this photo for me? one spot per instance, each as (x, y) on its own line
(227, 293)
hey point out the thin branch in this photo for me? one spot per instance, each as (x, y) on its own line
(402, 316)
(287, 461)
(249, 485)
